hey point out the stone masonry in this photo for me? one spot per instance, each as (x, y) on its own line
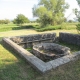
(69, 38)
(37, 63)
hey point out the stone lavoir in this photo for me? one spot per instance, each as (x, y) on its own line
(50, 51)
(44, 47)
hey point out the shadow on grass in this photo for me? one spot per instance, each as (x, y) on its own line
(16, 69)
(23, 27)
(19, 69)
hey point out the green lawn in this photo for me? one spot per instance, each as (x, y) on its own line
(36, 26)
(11, 26)
(12, 67)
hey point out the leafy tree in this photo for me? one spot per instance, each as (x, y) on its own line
(6, 21)
(14, 21)
(50, 11)
(70, 21)
(1, 21)
(77, 13)
(20, 19)
(78, 2)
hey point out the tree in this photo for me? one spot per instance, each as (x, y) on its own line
(78, 2)
(6, 21)
(20, 19)
(70, 21)
(50, 11)
(77, 13)
(1, 21)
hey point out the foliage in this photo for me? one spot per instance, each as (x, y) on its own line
(78, 28)
(6, 21)
(78, 2)
(36, 26)
(70, 21)
(77, 13)
(48, 28)
(20, 19)
(11, 26)
(50, 11)
(68, 26)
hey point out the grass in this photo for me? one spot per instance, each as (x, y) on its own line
(30, 31)
(14, 68)
(11, 26)
(68, 26)
(74, 48)
(36, 26)
(7, 27)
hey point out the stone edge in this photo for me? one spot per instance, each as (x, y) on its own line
(38, 64)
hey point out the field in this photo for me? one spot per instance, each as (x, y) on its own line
(12, 67)
(36, 26)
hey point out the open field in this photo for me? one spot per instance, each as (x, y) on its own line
(36, 26)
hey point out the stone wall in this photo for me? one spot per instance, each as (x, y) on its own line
(35, 62)
(29, 40)
(69, 38)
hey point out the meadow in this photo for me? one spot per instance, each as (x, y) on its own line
(13, 67)
(36, 26)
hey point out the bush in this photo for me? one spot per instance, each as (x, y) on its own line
(48, 28)
(68, 26)
(6, 21)
(78, 28)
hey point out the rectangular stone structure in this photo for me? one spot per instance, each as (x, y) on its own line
(37, 63)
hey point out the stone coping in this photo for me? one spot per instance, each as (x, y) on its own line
(33, 38)
(38, 64)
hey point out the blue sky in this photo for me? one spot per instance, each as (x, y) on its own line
(10, 8)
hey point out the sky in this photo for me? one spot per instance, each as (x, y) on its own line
(9, 9)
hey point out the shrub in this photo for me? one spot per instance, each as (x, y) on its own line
(78, 28)
(49, 28)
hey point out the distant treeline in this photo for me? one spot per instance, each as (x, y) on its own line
(6, 21)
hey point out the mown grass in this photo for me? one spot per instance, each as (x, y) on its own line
(30, 31)
(7, 27)
(36, 26)
(11, 26)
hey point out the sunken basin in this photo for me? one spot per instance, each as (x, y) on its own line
(46, 55)
(50, 51)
